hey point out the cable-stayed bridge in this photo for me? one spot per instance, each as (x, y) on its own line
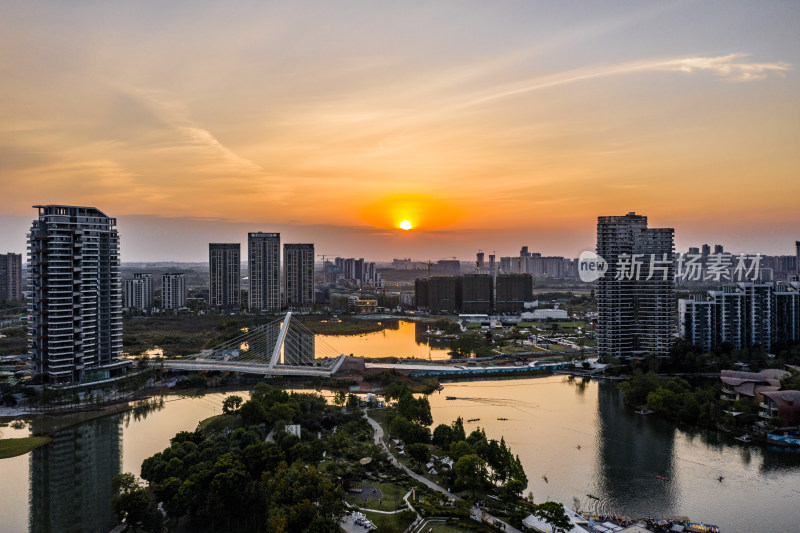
(283, 347)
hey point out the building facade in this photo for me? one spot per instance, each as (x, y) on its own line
(75, 301)
(173, 291)
(298, 275)
(139, 292)
(10, 277)
(635, 314)
(264, 270)
(746, 315)
(224, 266)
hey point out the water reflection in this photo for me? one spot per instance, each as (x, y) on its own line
(400, 338)
(70, 480)
(631, 453)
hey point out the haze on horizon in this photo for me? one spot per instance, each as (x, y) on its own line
(485, 124)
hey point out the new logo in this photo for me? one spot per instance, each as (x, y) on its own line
(591, 266)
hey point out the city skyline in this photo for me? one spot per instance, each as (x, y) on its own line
(480, 138)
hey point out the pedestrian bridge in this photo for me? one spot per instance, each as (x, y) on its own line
(283, 347)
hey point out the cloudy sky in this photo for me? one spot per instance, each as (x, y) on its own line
(486, 124)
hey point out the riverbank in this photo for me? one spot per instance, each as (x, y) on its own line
(15, 447)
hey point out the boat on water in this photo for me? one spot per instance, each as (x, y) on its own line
(644, 412)
(744, 438)
(502, 418)
(662, 478)
(593, 497)
(449, 397)
(473, 420)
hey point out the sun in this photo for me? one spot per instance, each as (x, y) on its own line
(405, 225)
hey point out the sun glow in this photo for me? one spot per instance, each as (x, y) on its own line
(405, 225)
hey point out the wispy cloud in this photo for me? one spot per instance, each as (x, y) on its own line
(729, 67)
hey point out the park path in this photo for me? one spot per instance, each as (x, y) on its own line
(475, 512)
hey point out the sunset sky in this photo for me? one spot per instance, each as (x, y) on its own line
(486, 124)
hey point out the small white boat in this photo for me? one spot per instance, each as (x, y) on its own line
(744, 438)
(644, 412)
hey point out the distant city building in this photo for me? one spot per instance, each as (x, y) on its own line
(139, 292)
(355, 270)
(421, 293)
(797, 256)
(477, 294)
(10, 277)
(173, 291)
(75, 301)
(512, 291)
(719, 249)
(224, 264)
(473, 293)
(742, 314)
(298, 275)
(635, 314)
(447, 267)
(264, 268)
(442, 294)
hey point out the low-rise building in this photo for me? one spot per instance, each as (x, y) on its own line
(783, 405)
(738, 385)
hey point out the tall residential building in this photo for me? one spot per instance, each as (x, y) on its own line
(512, 291)
(298, 275)
(10, 277)
(173, 291)
(797, 255)
(75, 302)
(224, 275)
(743, 314)
(264, 270)
(139, 292)
(635, 314)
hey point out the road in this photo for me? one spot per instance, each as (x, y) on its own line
(475, 512)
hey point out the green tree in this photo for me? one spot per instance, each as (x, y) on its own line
(252, 413)
(419, 452)
(471, 472)
(443, 436)
(339, 398)
(135, 504)
(460, 449)
(554, 515)
(511, 492)
(231, 404)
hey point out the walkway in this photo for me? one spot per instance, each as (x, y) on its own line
(475, 512)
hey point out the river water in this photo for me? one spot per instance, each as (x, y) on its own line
(579, 436)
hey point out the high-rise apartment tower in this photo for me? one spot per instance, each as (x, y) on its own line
(10, 277)
(224, 275)
(636, 296)
(173, 291)
(264, 269)
(75, 302)
(298, 275)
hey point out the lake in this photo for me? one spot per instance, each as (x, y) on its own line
(577, 434)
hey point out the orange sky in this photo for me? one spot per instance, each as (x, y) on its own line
(487, 125)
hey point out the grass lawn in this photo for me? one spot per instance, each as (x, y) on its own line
(391, 501)
(391, 523)
(219, 422)
(14, 447)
